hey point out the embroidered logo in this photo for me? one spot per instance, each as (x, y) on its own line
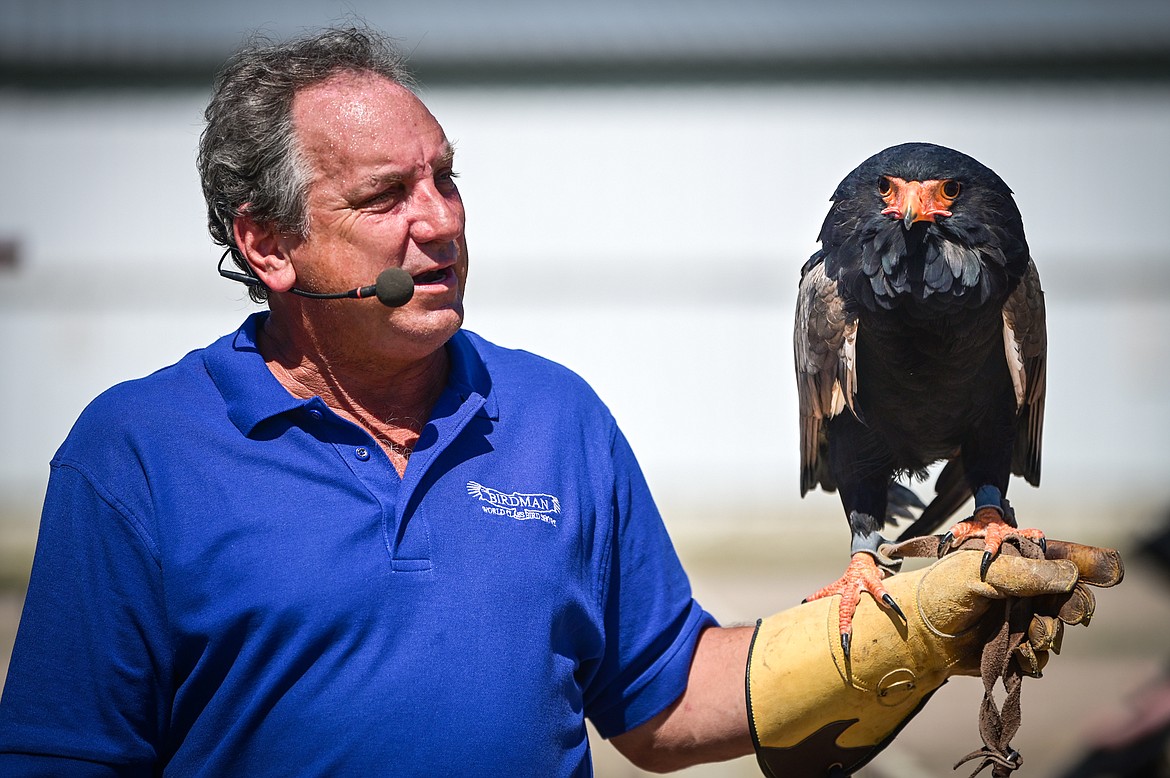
(514, 505)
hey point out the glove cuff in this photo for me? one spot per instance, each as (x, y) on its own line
(811, 712)
(820, 753)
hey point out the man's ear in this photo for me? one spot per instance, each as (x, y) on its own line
(266, 250)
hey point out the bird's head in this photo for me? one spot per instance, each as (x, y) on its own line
(916, 201)
(917, 223)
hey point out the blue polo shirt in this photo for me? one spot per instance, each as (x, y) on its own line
(233, 581)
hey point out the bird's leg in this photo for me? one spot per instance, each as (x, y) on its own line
(867, 567)
(992, 523)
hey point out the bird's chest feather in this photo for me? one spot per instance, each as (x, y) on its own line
(924, 382)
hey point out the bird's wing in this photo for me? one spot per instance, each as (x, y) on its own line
(826, 372)
(1025, 344)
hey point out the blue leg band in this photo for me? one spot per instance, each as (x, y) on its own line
(989, 497)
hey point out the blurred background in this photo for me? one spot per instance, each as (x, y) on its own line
(643, 182)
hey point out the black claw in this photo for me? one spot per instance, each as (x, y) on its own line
(845, 640)
(986, 563)
(944, 544)
(889, 601)
(1044, 545)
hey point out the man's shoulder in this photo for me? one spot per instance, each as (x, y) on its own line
(521, 370)
(149, 406)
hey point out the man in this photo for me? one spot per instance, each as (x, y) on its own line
(356, 540)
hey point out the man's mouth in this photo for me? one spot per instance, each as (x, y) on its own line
(430, 277)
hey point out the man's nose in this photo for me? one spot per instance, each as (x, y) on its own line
(438, 217)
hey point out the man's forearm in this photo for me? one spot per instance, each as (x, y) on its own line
(708, 723)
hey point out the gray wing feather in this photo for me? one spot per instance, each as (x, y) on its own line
(1026, 345)
(825, 339)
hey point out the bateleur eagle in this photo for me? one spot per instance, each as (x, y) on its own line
(919, 337)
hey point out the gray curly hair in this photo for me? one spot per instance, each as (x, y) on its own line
(249, 159)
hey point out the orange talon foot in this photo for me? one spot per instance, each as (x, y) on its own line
(862, 574)
(987, 523)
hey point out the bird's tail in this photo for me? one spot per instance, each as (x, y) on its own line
(951, 491)
(902, 503)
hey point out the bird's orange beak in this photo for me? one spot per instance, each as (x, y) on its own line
(916, 201)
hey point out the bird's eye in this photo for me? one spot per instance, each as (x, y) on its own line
(950, 189)
(884, 186)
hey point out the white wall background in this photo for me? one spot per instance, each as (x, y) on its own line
(649, 238)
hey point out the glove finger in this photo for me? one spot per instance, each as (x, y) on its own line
(1017, 576)
(1045, 633)
(1079, 606)
(1030, 661)
(1097, 566)
(1075, 607)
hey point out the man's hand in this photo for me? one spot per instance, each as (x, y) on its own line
(811, 709)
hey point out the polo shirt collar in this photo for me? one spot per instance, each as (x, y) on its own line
(468, 375)
(253, 395)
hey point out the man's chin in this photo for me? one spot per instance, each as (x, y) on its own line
(428, 331)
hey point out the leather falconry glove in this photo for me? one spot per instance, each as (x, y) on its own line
(812, 713)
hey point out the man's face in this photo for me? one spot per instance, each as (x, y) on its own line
(382, 195)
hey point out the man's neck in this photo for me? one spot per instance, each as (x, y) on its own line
(392, 400)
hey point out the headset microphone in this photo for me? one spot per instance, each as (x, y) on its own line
(394, 287)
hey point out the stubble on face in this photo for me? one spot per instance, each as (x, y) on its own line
(382, 194)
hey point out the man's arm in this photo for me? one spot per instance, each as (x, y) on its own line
(811, 707)
(708, 723)
(83, 695)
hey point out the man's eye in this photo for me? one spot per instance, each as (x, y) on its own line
(446, 178)
(383, 197)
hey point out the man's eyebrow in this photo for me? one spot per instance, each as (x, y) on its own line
(370, 185)
(382, 179)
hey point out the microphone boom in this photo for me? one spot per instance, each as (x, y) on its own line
(393, 288)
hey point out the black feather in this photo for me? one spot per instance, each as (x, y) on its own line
(929, 304)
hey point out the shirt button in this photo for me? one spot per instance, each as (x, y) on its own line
(315, 414)
(362, 453)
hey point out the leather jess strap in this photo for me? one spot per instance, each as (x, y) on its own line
(1022, 636)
